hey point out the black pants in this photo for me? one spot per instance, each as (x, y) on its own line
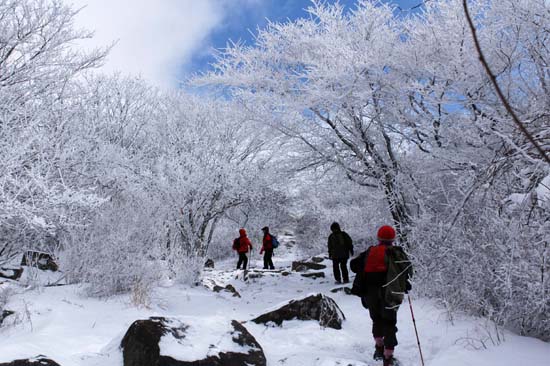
(384, 321)
(243, 259)
(268, 263)
(340, 264)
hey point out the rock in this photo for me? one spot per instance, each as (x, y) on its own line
(209, 263)
(345, 289)
(160, 341)
(228, 288)
(232, 289)
(314, 275)
(5, 314)
(11, 273)
(303, 266)
(285, 273)
(36, 361)
(42, 261)
(317, 259)
(315, 307)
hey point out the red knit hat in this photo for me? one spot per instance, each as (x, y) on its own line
(386, 233)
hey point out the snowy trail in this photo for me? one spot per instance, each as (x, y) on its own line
(79, 331)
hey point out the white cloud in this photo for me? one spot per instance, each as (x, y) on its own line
(155, 37)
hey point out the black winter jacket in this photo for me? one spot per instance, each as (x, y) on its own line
(340, 245)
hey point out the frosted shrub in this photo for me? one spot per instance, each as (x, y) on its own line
(117, 252)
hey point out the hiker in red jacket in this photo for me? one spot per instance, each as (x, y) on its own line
(267, 247)
(383, 273)
(242, 245)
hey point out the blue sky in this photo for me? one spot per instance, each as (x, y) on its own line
(166, 41)
(251, 15)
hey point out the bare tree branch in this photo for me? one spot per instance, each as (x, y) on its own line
(501, 96)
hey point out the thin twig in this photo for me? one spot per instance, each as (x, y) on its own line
(503, 99)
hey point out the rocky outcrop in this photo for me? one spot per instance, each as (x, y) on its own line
(315, 307)
(11, 273)
(174, 342)
(36, 361)
(42, 261)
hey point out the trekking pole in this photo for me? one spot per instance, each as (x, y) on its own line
(415, 330)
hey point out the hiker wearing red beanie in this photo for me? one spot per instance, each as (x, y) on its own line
(382, 277)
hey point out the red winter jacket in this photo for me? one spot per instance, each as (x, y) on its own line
(244, 242)
(267, 243)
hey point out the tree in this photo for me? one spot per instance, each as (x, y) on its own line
(37, 68)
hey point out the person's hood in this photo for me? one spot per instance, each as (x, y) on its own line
(242, 232)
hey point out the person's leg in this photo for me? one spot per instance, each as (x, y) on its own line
(270, 259)
(390, 330)
(344, 268)
(336, 270)
(245, 261)
(266, 261)
(240, 261)
(374, 304)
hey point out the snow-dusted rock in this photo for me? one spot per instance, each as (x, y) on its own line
(314, 275)
(42, 261)
(212, 285)
(11, 273)
(302, 266)
(209, 263)
(190, 342)
(315, 307)
(344, 289)
(228, 288)
(36, 361)
(4, 314)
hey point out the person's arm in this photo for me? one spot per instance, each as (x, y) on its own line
(329, 245)
(350, 244)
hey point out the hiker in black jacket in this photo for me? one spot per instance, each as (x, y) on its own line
(340, 246)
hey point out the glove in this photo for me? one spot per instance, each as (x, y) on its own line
(261, 251)
(408, 287)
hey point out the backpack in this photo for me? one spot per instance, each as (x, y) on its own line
(274, 241)
(397, 280)
(236, 243)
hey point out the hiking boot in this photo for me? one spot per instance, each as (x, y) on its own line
(378, 353)
(392, 361)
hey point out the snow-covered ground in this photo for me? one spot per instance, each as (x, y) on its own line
(78, 331)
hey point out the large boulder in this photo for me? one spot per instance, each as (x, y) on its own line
(11, 273)
(161, 341)
(36, 361)
(43, 261)
(314, 307)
